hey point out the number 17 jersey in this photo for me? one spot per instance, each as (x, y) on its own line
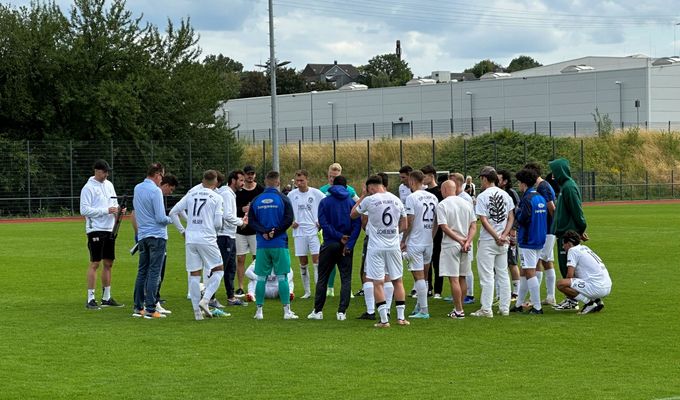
(384, 211)
(204, 206)
(422, 206)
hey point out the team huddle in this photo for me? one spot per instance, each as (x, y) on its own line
(429, 229)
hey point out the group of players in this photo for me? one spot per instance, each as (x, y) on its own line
(430, 227)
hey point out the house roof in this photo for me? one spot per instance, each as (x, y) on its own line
(319, 69)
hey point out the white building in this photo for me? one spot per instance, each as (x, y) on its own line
(558, 99)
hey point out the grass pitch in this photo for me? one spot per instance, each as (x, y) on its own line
(52, 347)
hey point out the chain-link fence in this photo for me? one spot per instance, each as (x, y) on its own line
(45, 178)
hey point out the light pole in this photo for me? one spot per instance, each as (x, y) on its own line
(472, 119)
(272, 77)
(620, 85)
(333, 133)
(451, 87)
(675, 29)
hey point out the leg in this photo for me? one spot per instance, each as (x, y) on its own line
(485, 265)
(92, 279)
(160, 283)
(156, 255)
(326, 263)
(240, 269)
(438, 280)
(304, 274)
(501, 269)
(456, 292)
(142, 272)
(345, 269)
(562, 257)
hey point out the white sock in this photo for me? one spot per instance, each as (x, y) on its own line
(304, 274)
(515, 286)
(286, 308)
(421, 293)
(195, 290)
(522, 291)
(389, 292)
(534, 292)
(213, 284)
(400, 311)
(188, 284)
(550, 279)
(470, 280)
(90, 295)
(583, 299)
(539, 276)
(369, 297)
(382, 310)
(107, 293)
(205, 276)
(316, 273)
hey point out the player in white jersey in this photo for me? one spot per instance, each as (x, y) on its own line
(271, 289)
(495, 210)
(417, 238)
(386, 218)
(587, 278)
(405, 186)
(459, 179)
(305, 201)
(205, 212)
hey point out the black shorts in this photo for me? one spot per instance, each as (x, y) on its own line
(101, 246)
(512, 255)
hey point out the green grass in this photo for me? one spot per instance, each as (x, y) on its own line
(51, 347)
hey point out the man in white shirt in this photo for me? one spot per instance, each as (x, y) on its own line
(587, 278)
(99, 206)
(386, 218)
(226, 236)
(458, 223)
(417, 238)
(405, 186)
(459, 179)
(305, 201)
(205, 212)
(495, 210)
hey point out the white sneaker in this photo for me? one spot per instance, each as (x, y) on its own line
(483, 313)
(188, 296)
(258, 313)
(504, 313)
(198, 315)
(290, 315)
(341, 316)
(437, 296)
(162, 310)
(314, 315)
(549, 301)
(203, 305)
(306, 295)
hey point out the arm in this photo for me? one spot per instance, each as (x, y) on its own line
(356, 230)
(174, 214)
(575, 211)
(508, 227)
(407, 231)
(453, 235)
(159, 209)
(230, 211)
(92, 212)
(570, 271)
(254, 223)
(288, 216)
(326, 224)
(402, 224)
(472, 231)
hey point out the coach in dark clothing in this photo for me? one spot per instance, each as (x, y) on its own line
(340, 233)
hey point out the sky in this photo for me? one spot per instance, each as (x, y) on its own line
(445, 35)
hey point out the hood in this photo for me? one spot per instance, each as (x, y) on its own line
(339, 192)
(560, 170)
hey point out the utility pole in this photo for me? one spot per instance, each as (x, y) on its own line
(272, 76)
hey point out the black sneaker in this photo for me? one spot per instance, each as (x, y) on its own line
(111, 303)
(239, 293)
(429, 293)
(592, 307)
(517, 309)
(600, 305)
(413, 293)
(535, 311)
(366, 315)
(360, 293)
(92, 305)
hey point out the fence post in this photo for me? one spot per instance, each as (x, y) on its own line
(238, 135)
(582, 163)
(319, 133)
(646, 185)
(411, 129)
(270, 134)
(669, 126)
(451, 120)
(368, 156)
(401, 153)
(535, 128)
(512, 123)
(191, 166)
(646, 125)
(434, 150)
(70, 150)
(672, 184)
(550, 128)
(253, 136)
(299, 154)
(28, 176)
(574, 128)
(490, 125)
(355, 132)
(334, 151)
(374, 131)
(464, 157)
(432, 128)
(264, 157)
(621, 184)
(303, 134)
(285, 133)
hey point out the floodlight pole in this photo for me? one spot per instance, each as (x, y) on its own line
(272, 77)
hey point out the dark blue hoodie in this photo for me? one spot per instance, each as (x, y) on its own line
(334, 216)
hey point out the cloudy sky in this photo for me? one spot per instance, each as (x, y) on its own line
(444, 35)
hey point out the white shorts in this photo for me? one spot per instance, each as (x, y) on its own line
(383, 262)
(547, 252)
(453, 262)
(307, 244)
(246, 244)
(590, 289)
(199, 256)
(417, 257)
(529, 257)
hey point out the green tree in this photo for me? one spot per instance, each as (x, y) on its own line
(385, 70)
(522, 62)
(288, 81)
(253, 84)
(483, 67)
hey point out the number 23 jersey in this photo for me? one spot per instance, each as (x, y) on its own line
(422, 206)
(384, 211)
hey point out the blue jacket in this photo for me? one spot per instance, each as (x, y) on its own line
(334, 217)
(532, 217)
(271, 210)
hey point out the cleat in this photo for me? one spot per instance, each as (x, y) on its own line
(258, 313)
(535, 311)
(214, 303)
(483, 313)
(92, 305)
(198, 315)
(290, 315)
(366, 315)
(216, 312)
(403, 322)
(600, 305)
(341, 316)
(315, 315)
(414, 294)
(138, 313)
(517, 309)
(592, 307)
(381, 325)
(236, 302)
(204, 306)
(419, 315)
(239, 293)
(504, 313)
(549, 301)
(306, 295)
(162, 310)
(469, 300)
(153, 315)
(250, 298)
(513, 297)
(429, 293)
(456, 315)
(437, 296)
(360, 293)
(111, 303)
(567, 304)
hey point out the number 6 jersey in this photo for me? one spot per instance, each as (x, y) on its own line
(384, 211)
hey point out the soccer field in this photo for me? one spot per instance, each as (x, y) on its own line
(52, 347)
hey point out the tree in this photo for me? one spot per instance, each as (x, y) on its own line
(522, 62)
(254, 84)
(385, 70)
(288, 81)
(483, 67)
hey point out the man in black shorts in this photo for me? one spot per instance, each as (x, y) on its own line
(99, 206)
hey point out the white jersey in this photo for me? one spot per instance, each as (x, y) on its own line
(404, 192)
(95, 199)
(588, 266)
(422, 206)
(204, 215)
(384, 211)
(494, 204)
(231, 221)
(457, 214)
(467, 197)
(306, 210)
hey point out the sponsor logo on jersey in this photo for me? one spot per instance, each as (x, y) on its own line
(267, 201)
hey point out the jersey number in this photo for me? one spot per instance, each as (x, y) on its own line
(387, 217)
(428, 213)
(197, 207)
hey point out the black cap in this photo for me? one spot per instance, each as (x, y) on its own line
(340, 180)
(102, 165)
(248, 169)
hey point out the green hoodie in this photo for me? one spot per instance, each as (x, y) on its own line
(568, 211)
